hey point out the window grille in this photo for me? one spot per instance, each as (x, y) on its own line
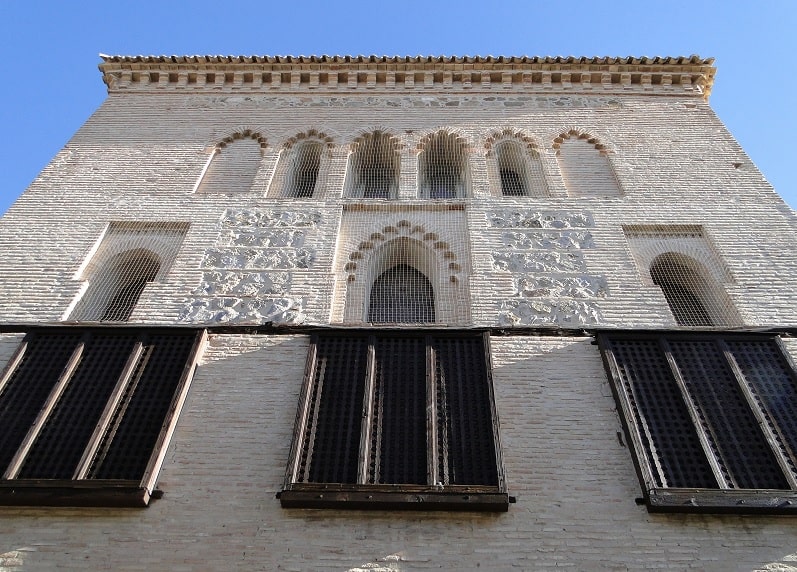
(130, 257)
(690, 293)
(396, 420)
(84, 414)
(304, 169)
(443, 167)
(401, 294)
(374, 167)
(707, 418)
(520, 170)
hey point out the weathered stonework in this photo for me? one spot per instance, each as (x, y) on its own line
(522, 218)
(550, 286)
(242, 218)
(228, 282)
(243, 311)
(532, 240)
(560, 312)
(544, 261)
(251, 258)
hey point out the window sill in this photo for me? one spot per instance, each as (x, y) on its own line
(65, 493)
(736, 501)
(395, 497)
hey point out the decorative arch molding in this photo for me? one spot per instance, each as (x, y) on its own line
(362, 135)
(360, 263)
(572, 132)
(459, 136)
(239, 133)
(444, 165)
(310, 135)
(404, 242)
(508, 133)
(647, 252)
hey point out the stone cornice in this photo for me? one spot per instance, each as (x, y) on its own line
(267, 74)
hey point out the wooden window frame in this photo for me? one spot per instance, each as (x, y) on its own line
(83, 489)
(727, 497)
(363, 495)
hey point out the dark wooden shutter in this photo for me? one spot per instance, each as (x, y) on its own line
(399, 424)
(466, 443)
(668, 435)
(60, 444)
(125, 450)
(744, 454)
(331, 445)
(33, 379)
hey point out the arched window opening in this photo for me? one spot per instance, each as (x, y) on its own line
(585, 169)
(443, 168)
(128, 274)
(374, 167)
(688, 294)
(233, 167)
(401, 294)
(305, 166)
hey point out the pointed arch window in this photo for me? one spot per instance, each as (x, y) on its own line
(401, 294)
(374, 167)
(443, 167)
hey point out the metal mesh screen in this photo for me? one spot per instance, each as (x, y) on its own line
(28, 386)
(399, 423)
(466, 444)
(698, 428)
(89, 402)
(305, 165)
(684, 290)
(60, 444)
(668, 434)
(401, 294)
(331, 445)
(374, 167)
(520, 170)
(130, 257)
(136, 424)
(443, 167)
(376, 423)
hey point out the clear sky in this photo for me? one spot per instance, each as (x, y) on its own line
(50, 83)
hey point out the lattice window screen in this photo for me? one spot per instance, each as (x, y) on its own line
(374, 167)
(692, 284)
(520, 170)
(443, 167)
(130, 256)
(303, 171)
(402, 294)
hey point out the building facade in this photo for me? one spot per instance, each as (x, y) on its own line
(344, 313)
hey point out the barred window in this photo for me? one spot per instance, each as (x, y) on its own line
(709, 417)
(374, 167)
(304, 168)
(519, 170)
(688, 293)
(443, 167)
(85, 415)
(400, 420)
(401, 294)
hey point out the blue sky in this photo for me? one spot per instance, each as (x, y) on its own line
(50, 82)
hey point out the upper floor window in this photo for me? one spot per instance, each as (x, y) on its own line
(519, 169)
(585, 166)
(374, 167)
(234, 164)
(305, 164)
(443, 167)
(130, 257)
